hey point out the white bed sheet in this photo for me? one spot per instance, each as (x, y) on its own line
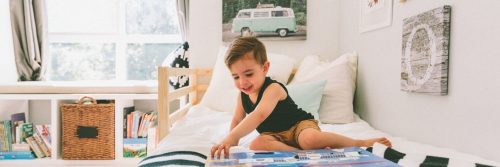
(203, 127)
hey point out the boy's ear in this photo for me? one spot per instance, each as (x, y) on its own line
(266, 66)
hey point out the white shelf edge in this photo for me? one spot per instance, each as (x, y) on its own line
(55, 129)
(75, 96)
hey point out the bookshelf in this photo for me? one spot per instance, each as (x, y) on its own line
(45, 109)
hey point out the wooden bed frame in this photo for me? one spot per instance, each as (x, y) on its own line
(166, 118)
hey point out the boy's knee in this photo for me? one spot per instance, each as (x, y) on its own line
(308, 141)
(259, 143)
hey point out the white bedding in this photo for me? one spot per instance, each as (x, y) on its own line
(203, 127)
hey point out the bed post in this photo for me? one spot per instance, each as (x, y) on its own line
(163, 126)
(193, 96)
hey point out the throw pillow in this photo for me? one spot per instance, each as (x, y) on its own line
(337, 102)
(307, 96)
(179, 58)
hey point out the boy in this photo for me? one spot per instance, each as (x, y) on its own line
(264, 104)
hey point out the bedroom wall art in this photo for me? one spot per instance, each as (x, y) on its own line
(374, 14)
(277, 20)
(424, 63)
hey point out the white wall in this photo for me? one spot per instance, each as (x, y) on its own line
(468, 118)
(206, 32)
(7, 62)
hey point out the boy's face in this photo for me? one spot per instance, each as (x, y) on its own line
(248, 75)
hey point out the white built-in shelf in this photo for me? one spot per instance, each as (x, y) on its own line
(45, 109)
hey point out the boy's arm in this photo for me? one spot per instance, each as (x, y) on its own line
(239, 113)
(272, 95)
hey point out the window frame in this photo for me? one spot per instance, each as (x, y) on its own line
(119, 38)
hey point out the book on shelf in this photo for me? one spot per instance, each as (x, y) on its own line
(26, 131)
(137, 115)
(3, 138)
(34, 147)
(129, 126)
(20, 147)
(17, 120)
(126, 112)
(6, 136)
(135, 147)
(137, 123)
(43, 133)
(16, 155)
(17, 134)
(45, 149)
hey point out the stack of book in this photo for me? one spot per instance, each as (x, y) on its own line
(137, 127)
(19, 139)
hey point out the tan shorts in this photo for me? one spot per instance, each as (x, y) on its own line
(291, 136)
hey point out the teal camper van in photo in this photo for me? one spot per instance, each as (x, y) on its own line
(265, 20)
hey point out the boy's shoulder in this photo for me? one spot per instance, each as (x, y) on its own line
(277, 89)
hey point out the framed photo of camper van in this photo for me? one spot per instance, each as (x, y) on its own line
(265, 19)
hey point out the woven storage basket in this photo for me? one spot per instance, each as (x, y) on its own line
(100, 119)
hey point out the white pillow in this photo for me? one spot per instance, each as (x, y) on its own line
(221, 94)
(281, 67)
(336, 104)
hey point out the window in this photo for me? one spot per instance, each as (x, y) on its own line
(110, 39)
(280, 13)
(244, 15)
(261, 14)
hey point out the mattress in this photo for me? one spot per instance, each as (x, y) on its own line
(202, 127)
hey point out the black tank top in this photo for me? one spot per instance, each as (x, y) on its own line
(283, 117)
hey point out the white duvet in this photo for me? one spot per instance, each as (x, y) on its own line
(203, 127)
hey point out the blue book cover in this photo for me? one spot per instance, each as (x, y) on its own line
(17, 155)
(351, 156)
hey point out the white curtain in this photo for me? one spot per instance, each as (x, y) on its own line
(183, 15)
(29, 32)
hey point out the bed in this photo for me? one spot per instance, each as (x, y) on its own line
(185, 136)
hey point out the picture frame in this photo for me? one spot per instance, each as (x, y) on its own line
(284, 20)
(425, 52)
(374, 14)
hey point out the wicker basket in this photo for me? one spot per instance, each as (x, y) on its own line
(88, 130)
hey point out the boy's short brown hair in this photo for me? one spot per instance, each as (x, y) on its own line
(244, 45)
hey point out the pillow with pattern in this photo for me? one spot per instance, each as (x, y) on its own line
(179, 58)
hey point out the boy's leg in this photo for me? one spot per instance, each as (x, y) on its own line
(269, 143)
(311, 138)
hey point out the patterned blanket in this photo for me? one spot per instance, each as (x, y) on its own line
(174, 158)
(421, 160)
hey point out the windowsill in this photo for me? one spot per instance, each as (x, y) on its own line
(79, 87)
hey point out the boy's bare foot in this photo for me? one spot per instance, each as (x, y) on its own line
(382, 140)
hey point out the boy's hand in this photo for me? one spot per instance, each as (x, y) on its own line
(217, 149)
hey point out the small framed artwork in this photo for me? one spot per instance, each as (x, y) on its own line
(424, 62)
(374, 14)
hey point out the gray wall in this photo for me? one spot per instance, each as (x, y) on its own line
(322, 36)
(467, 119)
